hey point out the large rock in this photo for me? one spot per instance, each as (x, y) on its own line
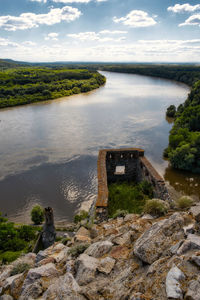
(98, 249)
(13, 285)
(64, 288)
(173, 289)
(192, 242)
(38, 279)
(6, 297)
(195, 210)
(157, 240)
(82, 235)
(106, 265)
(193, 292)
(57, 252)
(86, 267)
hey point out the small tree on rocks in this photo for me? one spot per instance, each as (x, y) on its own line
(37, 215)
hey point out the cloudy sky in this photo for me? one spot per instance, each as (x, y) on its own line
(100, 30)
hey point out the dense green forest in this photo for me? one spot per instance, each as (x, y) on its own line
(25, 85)
(184, 139)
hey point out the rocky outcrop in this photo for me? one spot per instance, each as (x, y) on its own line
(156, 241)
(130, 258)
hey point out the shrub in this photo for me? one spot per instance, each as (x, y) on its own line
(9, 256)
(26, 233)
(156, 207)
(120, 213)
(184, 202)
(20, 268)
(37, 215)
(78, 249)
(81, 216)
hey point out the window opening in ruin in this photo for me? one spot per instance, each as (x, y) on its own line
(120, 170)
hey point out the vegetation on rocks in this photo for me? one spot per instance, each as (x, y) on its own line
(32, 84)
(15, 240)
(184, 202)
(128, 197)
(156, 207)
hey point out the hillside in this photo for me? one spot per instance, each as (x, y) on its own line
(133, 257)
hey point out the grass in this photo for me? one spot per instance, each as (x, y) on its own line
(128, 197)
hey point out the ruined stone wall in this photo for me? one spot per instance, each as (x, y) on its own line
(137, 168)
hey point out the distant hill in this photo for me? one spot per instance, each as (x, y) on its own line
(9, 63)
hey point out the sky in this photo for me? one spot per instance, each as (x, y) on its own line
(100, 30)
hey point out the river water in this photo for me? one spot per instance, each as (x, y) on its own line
(48, 150)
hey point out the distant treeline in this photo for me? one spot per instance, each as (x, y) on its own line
(187, 74)
(25, 85)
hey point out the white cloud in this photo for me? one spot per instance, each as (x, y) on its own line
(53, 36)
(68, 1)
(135, 19)
(29, 43)
(113, 32)
(31, 20)
(44, 1)
(100, 36)
(192, 20)
(179, 8)
(6, 42)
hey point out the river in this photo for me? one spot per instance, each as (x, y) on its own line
(48, 150)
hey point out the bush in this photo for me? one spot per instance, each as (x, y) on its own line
(26, 233)
(9, 256)
(120, 213)
(37, 215)
(81, 216)
(156, 207)
(78, 249)
(184, 202)
(20, 268)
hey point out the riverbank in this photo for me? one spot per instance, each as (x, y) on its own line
(29, 85)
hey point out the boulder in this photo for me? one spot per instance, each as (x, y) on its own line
(86, 267)
(192, 242)
(57, 251)
(64, 288)
(106, 265)
(82, 235)
(37, 279)
(130, 218)
(6, 297)
(195, 259)
(173, 278)
(156, 241)
(124, 239)
(193, 292)
(195, 210)
(98, 249)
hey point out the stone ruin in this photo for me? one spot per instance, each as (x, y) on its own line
(129, 165)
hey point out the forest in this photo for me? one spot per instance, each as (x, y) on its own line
(24, 85)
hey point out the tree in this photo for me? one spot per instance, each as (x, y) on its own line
(171, 111)
(37, 215)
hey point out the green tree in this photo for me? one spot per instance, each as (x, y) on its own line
(37, 215)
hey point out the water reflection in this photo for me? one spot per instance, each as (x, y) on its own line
(48, 150)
